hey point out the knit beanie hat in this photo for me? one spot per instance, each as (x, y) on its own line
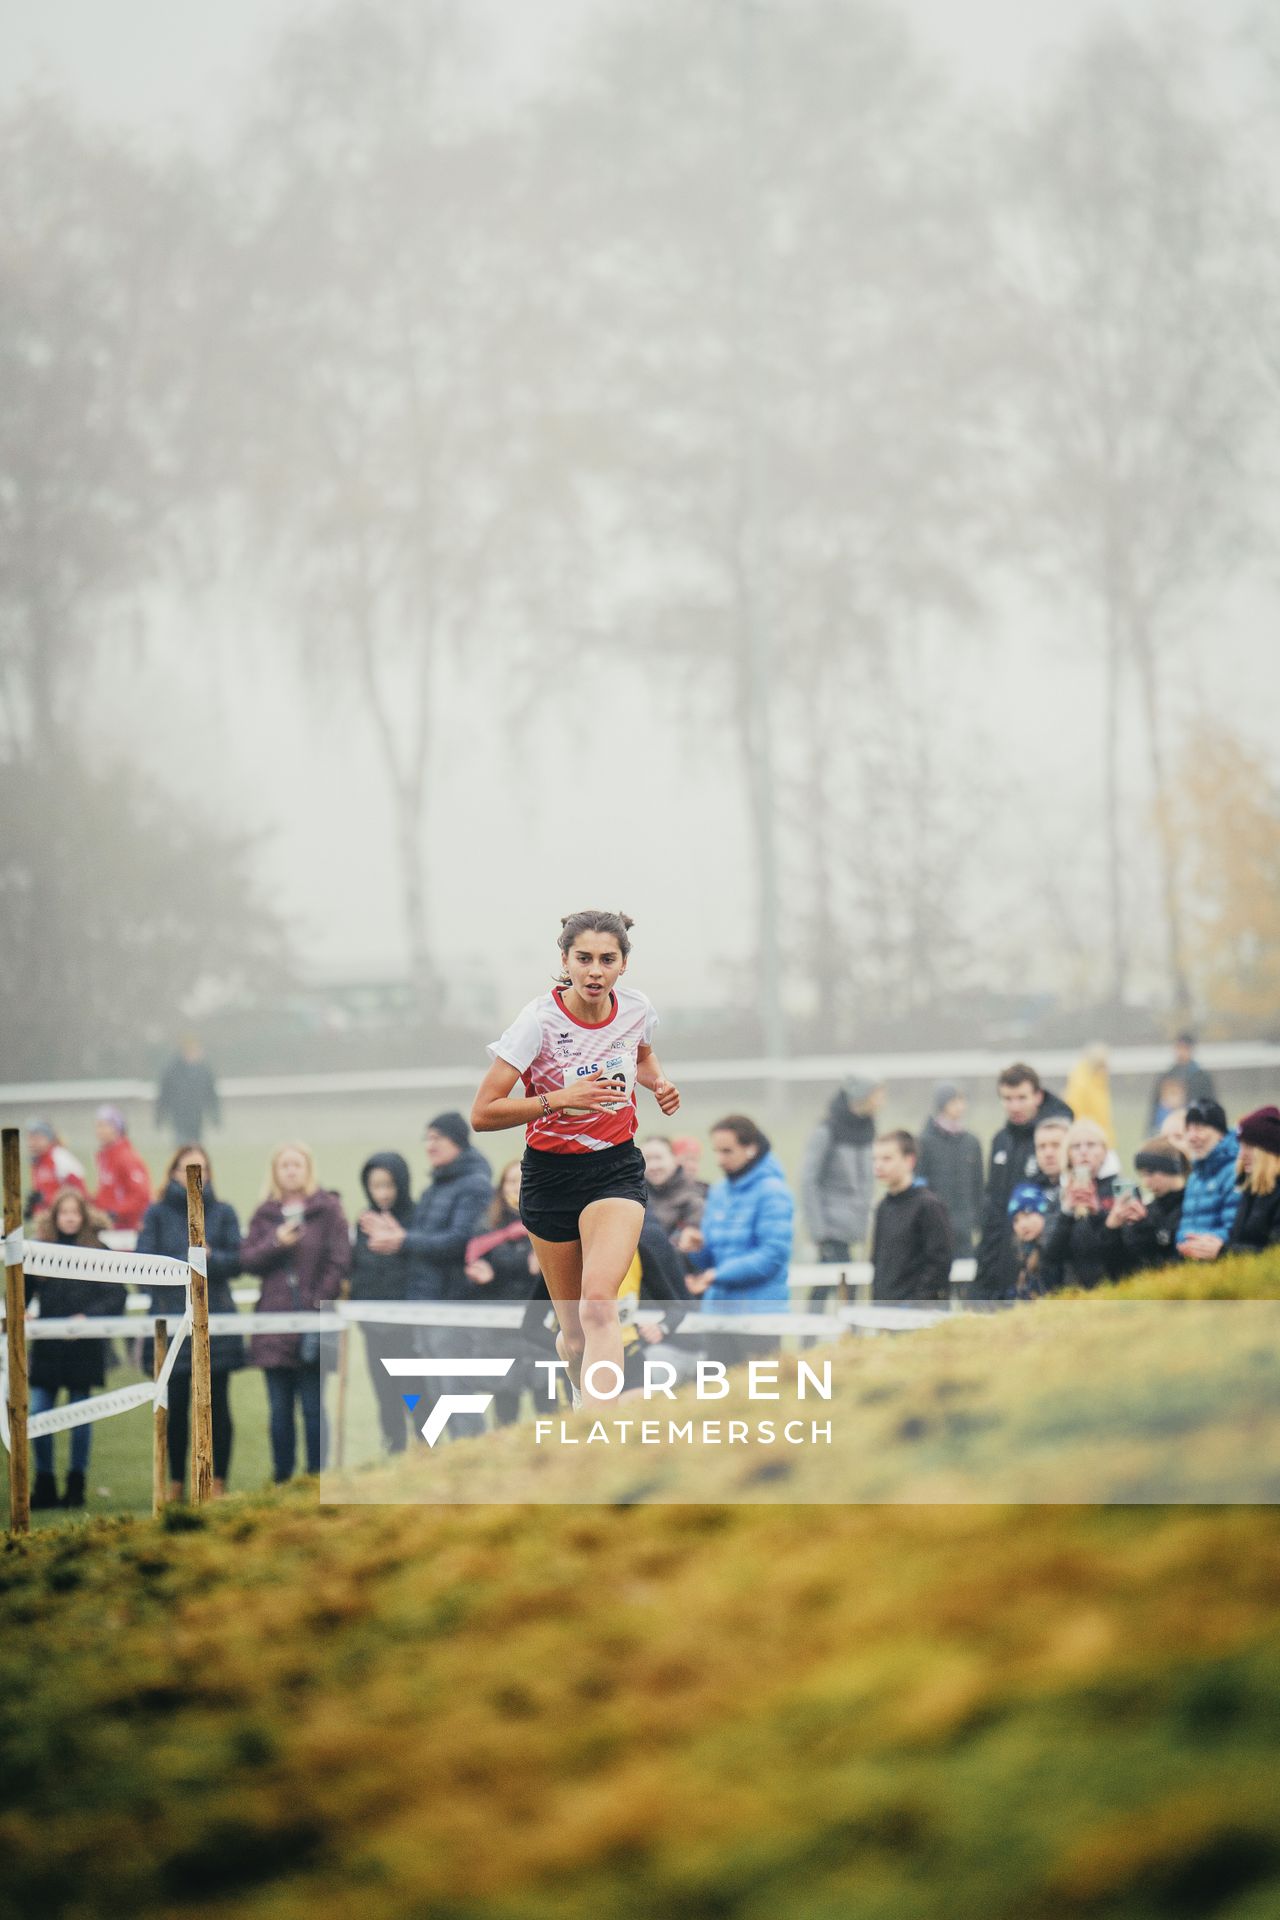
(1162, 1156)
(1028, 1198)
(944, 1093)
(858, 1088)
(453, 1127)
(1261, 1128)
(1207, 1113)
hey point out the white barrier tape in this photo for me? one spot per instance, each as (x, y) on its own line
(46, 1259)
(98, 1406)
(161, 1390)
(13, 1245)
(884, 1317)
(106, 1326)
(198, 1257)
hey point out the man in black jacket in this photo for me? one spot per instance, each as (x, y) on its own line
(911, 1242)
(1013, 1160)
(446, 1217)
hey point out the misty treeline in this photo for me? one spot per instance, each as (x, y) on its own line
(750, 355)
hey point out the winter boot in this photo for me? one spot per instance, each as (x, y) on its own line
(45, 1491)
(74, 1494)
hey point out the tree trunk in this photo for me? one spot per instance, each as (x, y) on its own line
(754, 701)
(1111, 802)
(1169, 878)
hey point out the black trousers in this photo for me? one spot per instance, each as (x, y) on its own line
(394, 1418)
(180, 1424)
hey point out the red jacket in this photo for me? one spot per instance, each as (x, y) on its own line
(57, 1167)
(124, 1184)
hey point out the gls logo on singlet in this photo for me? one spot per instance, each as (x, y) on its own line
(619, 1068)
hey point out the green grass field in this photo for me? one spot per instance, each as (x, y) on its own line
(274, 1708)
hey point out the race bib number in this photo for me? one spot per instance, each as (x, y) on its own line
(620, 1068)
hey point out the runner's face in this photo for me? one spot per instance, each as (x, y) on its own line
(594, 963)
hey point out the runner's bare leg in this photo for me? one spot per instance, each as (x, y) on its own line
(561, 1263)
(610, 1235)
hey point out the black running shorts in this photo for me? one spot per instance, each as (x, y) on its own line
(555, 1187)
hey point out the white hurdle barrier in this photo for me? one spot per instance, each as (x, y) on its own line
(116, 1266)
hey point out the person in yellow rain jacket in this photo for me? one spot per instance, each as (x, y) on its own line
(1088, 1091)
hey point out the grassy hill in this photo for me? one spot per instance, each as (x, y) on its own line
(276, 1708)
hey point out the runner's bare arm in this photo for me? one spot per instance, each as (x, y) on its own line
(494, 1109)
(649, 1074)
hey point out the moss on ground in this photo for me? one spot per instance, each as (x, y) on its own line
(274, 1708)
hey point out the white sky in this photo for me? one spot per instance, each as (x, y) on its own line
(668, 848)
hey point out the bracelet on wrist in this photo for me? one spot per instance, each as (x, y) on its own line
(546, 1106)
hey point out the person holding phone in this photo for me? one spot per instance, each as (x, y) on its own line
(1078, 1242)
(299, 1244)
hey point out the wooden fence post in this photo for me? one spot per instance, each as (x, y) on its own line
(15, 1306)
(201, 1390)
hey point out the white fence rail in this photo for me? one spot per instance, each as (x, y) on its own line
(962, 1064)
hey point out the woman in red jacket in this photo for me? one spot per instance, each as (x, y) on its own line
(124, 1182)
(299, 1243)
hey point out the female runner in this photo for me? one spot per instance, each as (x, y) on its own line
(581, 1051)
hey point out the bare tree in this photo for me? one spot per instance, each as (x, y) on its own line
(394, 454)
(781, 265)
(1136, 405)
(92, 388)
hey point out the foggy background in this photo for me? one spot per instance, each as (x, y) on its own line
(804, 474)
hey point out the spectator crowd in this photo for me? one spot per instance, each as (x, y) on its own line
(1050, 1209)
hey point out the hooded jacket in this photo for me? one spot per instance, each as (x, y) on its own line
(1013, 1159)
(319, 1260)
(1212, 1198)
(747, 1230)
(383, 1276)
(448, 1214)
(164, 1230)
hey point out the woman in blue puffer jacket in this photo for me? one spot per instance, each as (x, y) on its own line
(741, 1254)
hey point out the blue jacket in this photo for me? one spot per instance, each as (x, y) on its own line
(747, 1231)
(445, 1218)
(1212, 1197)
